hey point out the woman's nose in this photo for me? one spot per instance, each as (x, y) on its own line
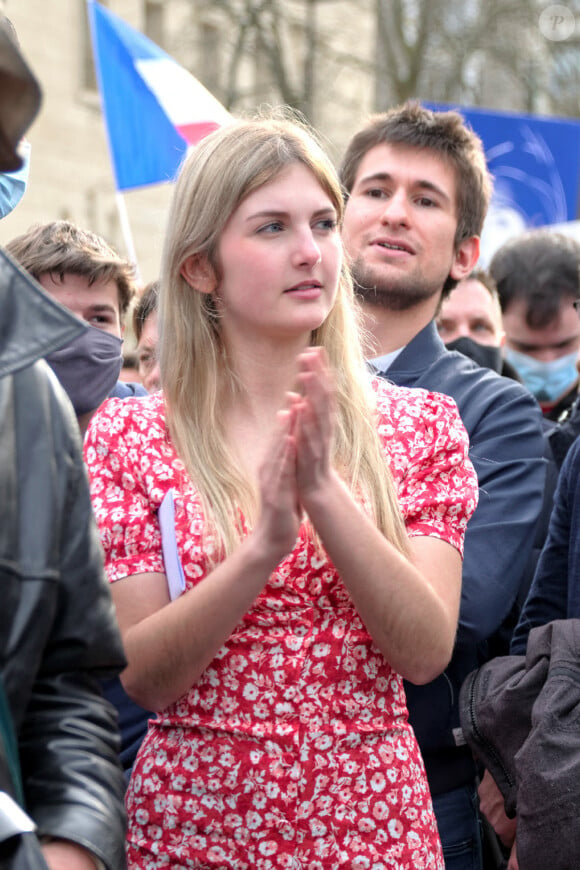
(308, 250)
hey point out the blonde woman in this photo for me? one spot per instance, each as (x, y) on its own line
(316, 527)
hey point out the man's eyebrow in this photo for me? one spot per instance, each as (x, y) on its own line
(527, 346)
(98, 307)
(418, 184)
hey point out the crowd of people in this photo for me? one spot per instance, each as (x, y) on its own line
(325, 505)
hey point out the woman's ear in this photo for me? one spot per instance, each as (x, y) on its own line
(199, 273)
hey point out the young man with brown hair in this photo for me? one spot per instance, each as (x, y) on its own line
(418, 190)
(82, 272)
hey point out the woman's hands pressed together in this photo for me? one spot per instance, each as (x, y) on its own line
(298, 462)
(315, 415)
(279, 519)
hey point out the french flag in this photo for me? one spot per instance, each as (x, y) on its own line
(154, 108)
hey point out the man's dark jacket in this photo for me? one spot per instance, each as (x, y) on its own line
(504, 424)
(555, 590)
(58, 632)
(520, 716)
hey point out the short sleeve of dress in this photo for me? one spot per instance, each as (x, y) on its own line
(120, 450)
(427, 447)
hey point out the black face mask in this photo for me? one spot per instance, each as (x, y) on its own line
(483, 354)
(88, 368)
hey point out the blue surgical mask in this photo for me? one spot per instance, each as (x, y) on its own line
(547, 381)
(13, 184)
(88, 368)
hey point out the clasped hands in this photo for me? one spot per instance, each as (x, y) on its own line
(298, 465)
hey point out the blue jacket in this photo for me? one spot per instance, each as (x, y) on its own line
(504, 424)
(555, 591)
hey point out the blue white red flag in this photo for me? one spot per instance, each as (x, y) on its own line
(154, 108)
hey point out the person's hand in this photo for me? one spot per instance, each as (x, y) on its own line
(280, 515)
(315, 410)
(491, 804)
(65, 855)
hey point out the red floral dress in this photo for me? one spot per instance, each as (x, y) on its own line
(293, 750)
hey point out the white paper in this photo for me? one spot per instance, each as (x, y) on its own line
(173, 567)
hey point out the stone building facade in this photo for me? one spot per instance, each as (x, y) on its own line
(71, 175)
(325, 56)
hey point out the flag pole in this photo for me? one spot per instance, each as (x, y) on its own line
(126, 230)
(153, 108)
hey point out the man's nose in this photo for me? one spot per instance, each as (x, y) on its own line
(396, 209)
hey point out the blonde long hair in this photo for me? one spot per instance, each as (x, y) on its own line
(220, 172)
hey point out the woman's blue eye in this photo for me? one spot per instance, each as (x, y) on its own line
(328, 224)
(273, 227)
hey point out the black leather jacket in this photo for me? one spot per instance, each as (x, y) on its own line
(58, 632)
(519, 715)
